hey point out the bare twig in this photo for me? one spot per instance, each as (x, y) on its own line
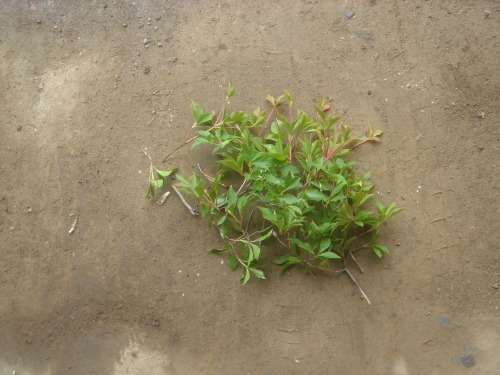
(209, 178)
(241, 187)
(73, 227)
(359, 287)
(163, 198)
(440, 219)
(401, 51)
(186, 204)
(357, 264)
(179, 147)
(287, 330)
(281, 242)
(312, 266)
(145, 153)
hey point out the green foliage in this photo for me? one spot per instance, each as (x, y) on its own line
(289, 175)
(157, 179)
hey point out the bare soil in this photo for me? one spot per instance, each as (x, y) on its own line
(85, 86)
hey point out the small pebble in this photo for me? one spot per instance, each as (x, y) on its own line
(350, 15)
(467, 360)
(124, 25)
(159, 44)
(364, 34)
(145, 41)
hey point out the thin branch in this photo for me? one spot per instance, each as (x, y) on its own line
(359, 287)
(248, 222)
(209, 178)
(263, 226)
(312, 266)
(186, 204)
(357, 263)
(281, 242)
(145, 153)
(241, 187)
(179, 147)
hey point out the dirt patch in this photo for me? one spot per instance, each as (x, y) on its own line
(85, 87)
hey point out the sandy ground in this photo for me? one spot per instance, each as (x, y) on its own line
(85, 86)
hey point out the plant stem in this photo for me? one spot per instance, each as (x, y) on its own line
(179, 147)
(359, 287)
(190, 209)
(357, 263)
(209, 178)
(323, 269)
(249, 219)
(241, 187)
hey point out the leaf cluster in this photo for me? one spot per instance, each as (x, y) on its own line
(290, 175)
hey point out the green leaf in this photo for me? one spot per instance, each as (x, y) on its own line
(232, 197)
(377, 251)
(158, 183)
(315, 195)
(338, 197)
(196, 110)
(325, 244)
(245, 276)
(242, 202)
(257, 273)
(198, 114)
(255, 250)
(301, 244)
(217, 251)
(264, 236)
(365, 198)
(263, 164)
(383, 248)
(151, 191)
(286, 259)
(230, 90)
(223, 230)
(166, 172)
(199, 141)
(289, 199)
(267, 214)
(329, 255)
(337, 189)
(204, 117)
(231, 164)
(232, 262)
